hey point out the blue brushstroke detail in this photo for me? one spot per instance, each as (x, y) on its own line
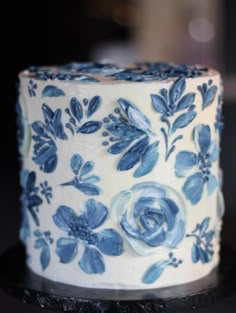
(46, 191)
(199, 163)
(202, 249)
(43, 242)
(52, 91)
(80, 232)
(81, 180)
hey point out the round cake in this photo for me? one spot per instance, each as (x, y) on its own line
(121, 185)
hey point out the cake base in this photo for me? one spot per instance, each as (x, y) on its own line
(17, 280)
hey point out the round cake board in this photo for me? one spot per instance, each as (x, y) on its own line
(17, 280)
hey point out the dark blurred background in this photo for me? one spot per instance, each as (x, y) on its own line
(54, 32)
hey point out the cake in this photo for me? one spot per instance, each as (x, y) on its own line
(121, 184)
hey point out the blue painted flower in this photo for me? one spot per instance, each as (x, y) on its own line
(198, 164)
(208, 93)
(151, 216)
(83, 181)
(45, 149)
(171, 103)
(46, 191)
(30, 199)
(202, 249)
(155, 271)
(131, 131)
(32, 87)
(80, 230)
(78, 112)
(43, 242)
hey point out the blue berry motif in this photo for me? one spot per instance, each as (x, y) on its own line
(46, 191)
(46, 134)
(202, 249)
(155, 271)
(82, 180)
(130, 130)
(171, 103)
(199, 163)
(78, 112)
(80, 232)
(43, 242)
(208, 92)
(32, 87)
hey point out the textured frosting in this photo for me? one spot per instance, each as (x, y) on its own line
(120, 173)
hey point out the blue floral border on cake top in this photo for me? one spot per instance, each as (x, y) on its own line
(198, 164)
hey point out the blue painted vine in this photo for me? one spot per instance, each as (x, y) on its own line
(198, 165)
(202, 249)
(43, 242)
(129, 130)
(80, 232)
(78, 113)
(155, 271)
(46, 135)
(169, 104)
(83, 180)
(208, 92)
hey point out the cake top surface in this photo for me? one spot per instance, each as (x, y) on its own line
(94, 72)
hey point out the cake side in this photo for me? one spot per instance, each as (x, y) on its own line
(121, 181)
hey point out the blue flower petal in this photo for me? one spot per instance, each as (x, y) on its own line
(76, 163)
(195, 253)
(45, 256)
(183, 120)
(109, 242)
(186, 101)
(209, 96)
(202, 138)
(76, 109)
(155, 238)
(133, 155)
(203, 226)
(159, 104)
(39, 128)
(154, 272)
(185, 160)
(95, 212)
(209, 236)
(119, 204)
(211, 184)
(52, 91)
(92, 261)
(46, 157)
(47, 114)
(123, 130)
(39, 243)
(63, 217)
(170, 210)
(92, 179)
(57, 126)
(119, 147)
(148, 161)
(142, 203)
(66, 249)
(129, 229)
(30, 182)
(204, 256)
(177, 90)
(177, 234)
(193, 188)
(88, 189)
(90, 127)
(87, 168)
(93, 106)
(214, 151)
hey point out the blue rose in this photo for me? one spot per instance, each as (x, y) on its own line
(151, 216)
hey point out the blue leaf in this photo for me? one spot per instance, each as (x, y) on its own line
(133, 155)
(204, 257)
(159, 104)
(93, 106)
(34, 215)
(209, 236)
(109, 242)
(193, 188)
(148, 161)
(88, 189)
(92, 261)
(34, 200)
(39, 129)
(45, 257)
(95, 213)
(92, 179)
(183, 120)
(39, 243)
(76, 109)
(209, 97)
(202, 138)
(195, 253)
(57, 126)
(154, 272)
(30, 182)
(170, 210)
(87, 168)
(214, 151)
(76, 163)
(186, 101)
(52, 91)
(63, 218)
(47, 113)
(66, 249)
(123, 130)
(177, 90)
(212, 184)
(185, 160)
(203, 226)
(37, 233)
(90, 127)
(119, 147)
(46, 157)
